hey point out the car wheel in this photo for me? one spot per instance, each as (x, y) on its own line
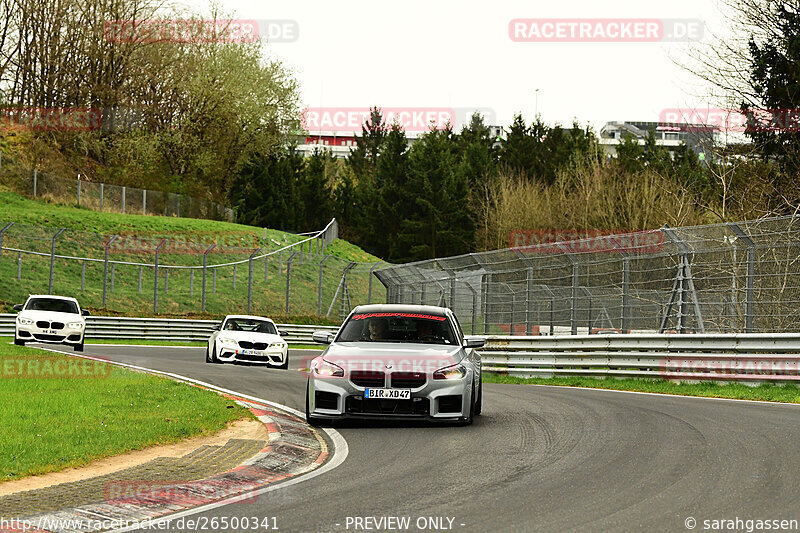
(213, 358)
(479, 402)
(468, 420)
(313, 421)
(19, 342)
(78, 347)
(208, 354)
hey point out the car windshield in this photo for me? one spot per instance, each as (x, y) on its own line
(249, 324)
(52, 304)
(397, 327)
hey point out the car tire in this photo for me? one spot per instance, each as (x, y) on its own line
(479, 402)
(78, 347)
(19, 342)
(468, 420)
(285, 365)
(213, 357)
(312, 421)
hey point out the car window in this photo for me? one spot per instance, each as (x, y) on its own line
(250, 324)
(53, 305)
(397, 327)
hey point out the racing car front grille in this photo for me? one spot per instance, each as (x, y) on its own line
(368, 378)
(370, 406)
(43, 324)
(247, 345)
(41, 337)
(56, 325)
(408, 380)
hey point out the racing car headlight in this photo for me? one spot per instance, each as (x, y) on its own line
(277, 345)
(24, 321)
(450, 372)
(75, 325)
(228, 342)
(328, 370)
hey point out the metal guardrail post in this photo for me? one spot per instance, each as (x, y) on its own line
(319, 285)
(749, 313)
(250, 281)
(2, 234)
(155, 276)
(289, 279)
(205, 268)
(105, 266)
(53, 258)
(369, 290)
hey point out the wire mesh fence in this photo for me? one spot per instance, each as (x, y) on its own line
(106, 197)
(727, 278)
(273, 273)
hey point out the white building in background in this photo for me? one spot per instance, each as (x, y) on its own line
(698, 137)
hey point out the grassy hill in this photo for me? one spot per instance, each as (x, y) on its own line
(88, 231)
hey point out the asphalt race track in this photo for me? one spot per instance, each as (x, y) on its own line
(538, 459)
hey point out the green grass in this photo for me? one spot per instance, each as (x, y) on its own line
(183, 295)
(51, 423)
(767, 392)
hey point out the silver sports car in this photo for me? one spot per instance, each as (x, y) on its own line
(396, 362)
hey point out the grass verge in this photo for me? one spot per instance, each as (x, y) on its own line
(59, 411)
(767, 392)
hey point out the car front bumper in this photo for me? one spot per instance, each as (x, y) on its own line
(437, 400)
(65, 335)
(270, 356)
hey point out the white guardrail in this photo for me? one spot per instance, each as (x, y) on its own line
(164, 329)
(746, 357)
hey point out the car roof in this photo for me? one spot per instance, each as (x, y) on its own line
(250, 316)
(53, 296)
(401, 308)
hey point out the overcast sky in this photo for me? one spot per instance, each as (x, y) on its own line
(458, 54)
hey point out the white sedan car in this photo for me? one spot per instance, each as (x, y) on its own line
(52, 319)
(251, 339)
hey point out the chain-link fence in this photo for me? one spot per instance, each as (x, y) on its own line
(742, 277)
(273, 273)
(106, 197)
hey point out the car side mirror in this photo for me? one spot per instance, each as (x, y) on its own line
(18, 307)
(322, 337)
(86, 312)
(216, 327)
(474, 342)
(282, 333)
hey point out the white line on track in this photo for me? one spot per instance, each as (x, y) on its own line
(337, 457)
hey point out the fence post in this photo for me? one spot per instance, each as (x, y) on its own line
(749, 314)
(319, 285)
(83, 275)
(289, 279)
(105, 267)
(250, 281)
(79, 190)
(102, 185)
(123, 200)
(529, 304)
(155, 276)
(205, 268)
(144, 201)
(552, 318)
(589, 315)
(626, 282)
(485, 291)
(369, 291)
(35, 181)
(53, 258)
(2, 233)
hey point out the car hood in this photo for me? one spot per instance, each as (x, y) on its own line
(251, 336)
(52, 316)
(404, 357)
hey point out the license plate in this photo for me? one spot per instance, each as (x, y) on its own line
(50, 331)
(388, 394)
(251, 352)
